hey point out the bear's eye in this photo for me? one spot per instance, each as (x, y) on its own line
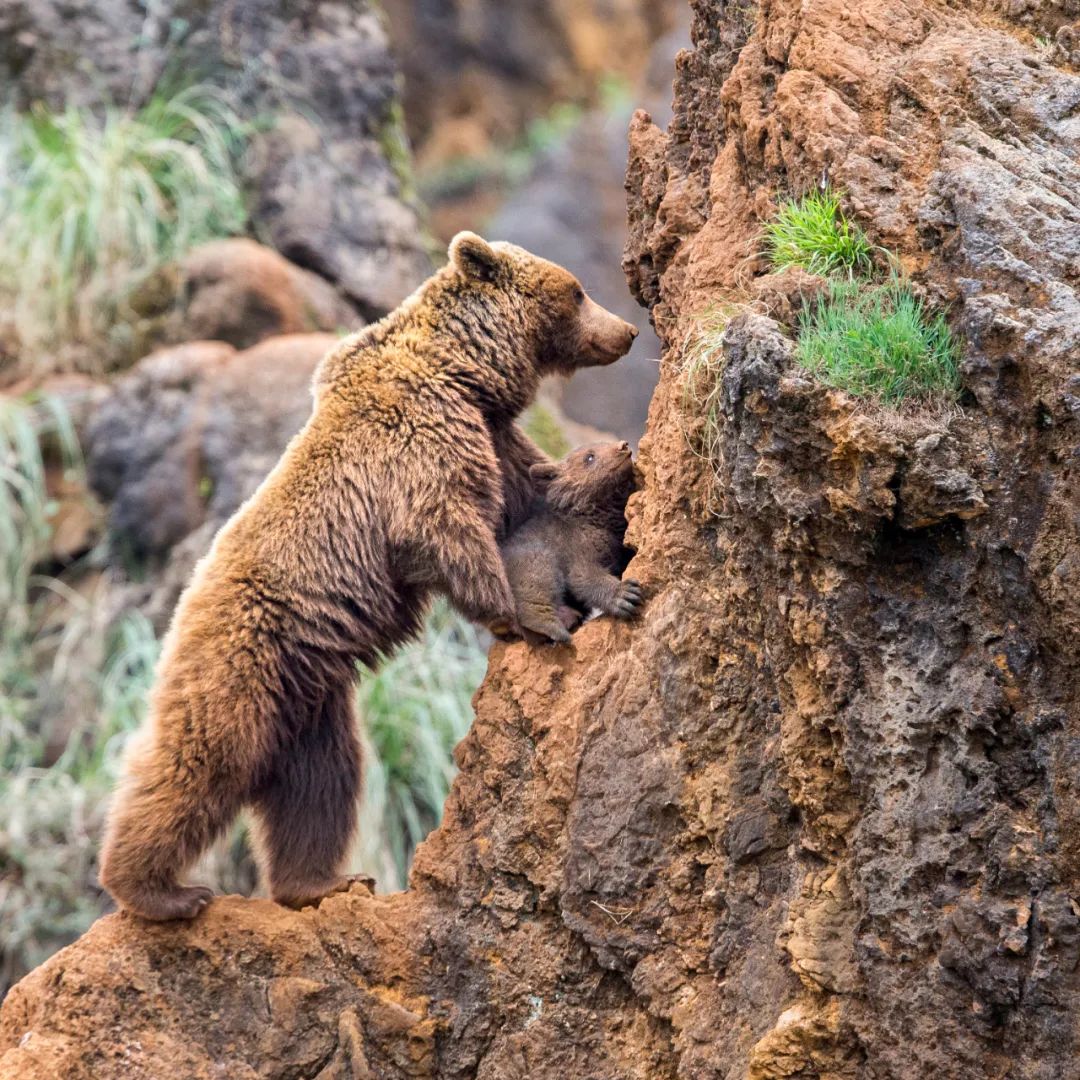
(590, 458)
(579, 294)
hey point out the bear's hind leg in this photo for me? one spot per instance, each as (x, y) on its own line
(306, 810)
(186, 779)
(154, 834)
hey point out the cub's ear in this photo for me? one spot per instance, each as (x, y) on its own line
(475, 257)
(543, 472)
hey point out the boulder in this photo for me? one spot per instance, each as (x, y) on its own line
(186, 435)
(237, 291)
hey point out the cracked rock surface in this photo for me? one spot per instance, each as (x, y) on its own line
(815, 814)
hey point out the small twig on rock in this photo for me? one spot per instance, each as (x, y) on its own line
(617, 916)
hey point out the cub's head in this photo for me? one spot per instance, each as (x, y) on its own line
(592, 482)
(561, 327)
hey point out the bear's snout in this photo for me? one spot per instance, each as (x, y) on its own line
(605, 336)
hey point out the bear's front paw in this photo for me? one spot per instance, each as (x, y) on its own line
(627, 599)
(543, 632)
(505, 629)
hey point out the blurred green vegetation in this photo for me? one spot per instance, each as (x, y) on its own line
(25, 509)
(51, 799)
(413, 711)
(510, 165)
(503, 167)
(92, 201)
(540, 424)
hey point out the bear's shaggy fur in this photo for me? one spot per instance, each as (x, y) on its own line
(399, 486)
(565, 558)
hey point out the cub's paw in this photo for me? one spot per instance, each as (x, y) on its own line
(627, 599)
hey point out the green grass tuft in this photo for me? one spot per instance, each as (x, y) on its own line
(413, 711)
(92, 202)
(879, 342)
(813, 233)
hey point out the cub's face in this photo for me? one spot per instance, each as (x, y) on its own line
(594, 478)
(569, 329)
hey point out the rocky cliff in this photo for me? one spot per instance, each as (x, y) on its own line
(815, 815)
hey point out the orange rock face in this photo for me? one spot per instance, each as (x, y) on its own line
(815, 814)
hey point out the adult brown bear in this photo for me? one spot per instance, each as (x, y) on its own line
(399, 486)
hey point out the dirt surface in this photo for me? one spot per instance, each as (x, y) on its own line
(815, 815)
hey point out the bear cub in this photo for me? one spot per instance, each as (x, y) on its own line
(565, 558)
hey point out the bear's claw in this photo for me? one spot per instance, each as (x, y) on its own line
(627, 599)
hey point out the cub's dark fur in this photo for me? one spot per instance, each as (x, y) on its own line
(565, 558)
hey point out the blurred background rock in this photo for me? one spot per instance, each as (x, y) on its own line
(518, 114)
(195, 201)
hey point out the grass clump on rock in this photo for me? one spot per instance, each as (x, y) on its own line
(812, 233)
(878, 341)
(703, 366)
(870, 338)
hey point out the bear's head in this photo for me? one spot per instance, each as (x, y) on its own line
(565, 328)
(593, 482)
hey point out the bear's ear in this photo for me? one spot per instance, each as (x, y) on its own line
(475, 257)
